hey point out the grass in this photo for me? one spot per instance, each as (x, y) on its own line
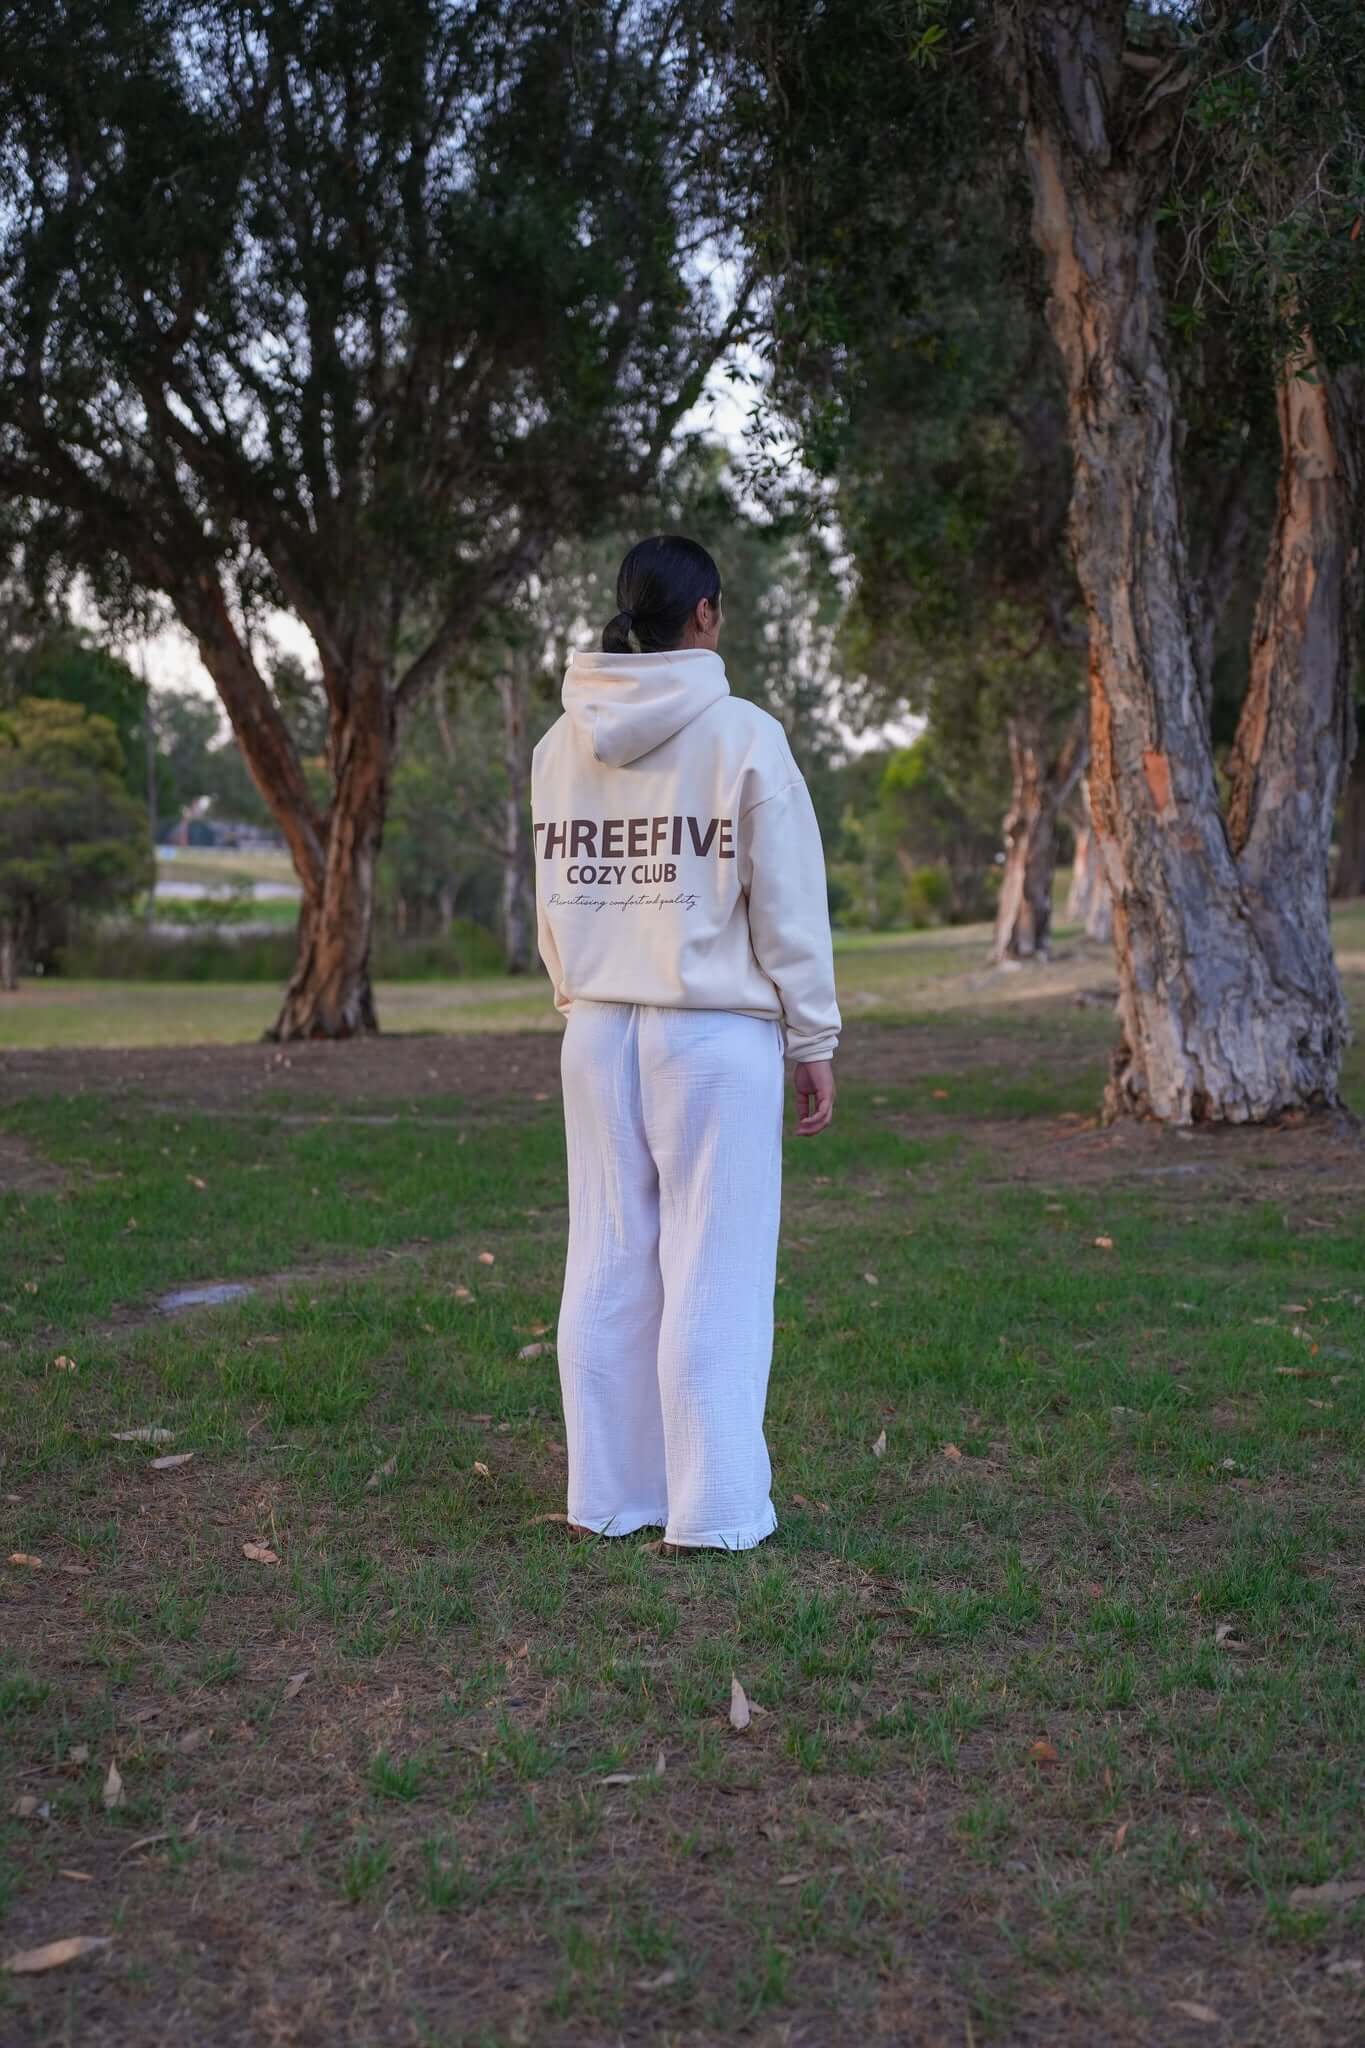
(1061, 1693)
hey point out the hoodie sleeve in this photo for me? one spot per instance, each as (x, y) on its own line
(782, 871)
(549, 953)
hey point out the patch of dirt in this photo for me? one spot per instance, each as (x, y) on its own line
(24, 1172)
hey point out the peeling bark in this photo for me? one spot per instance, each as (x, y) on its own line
(1209, 1029)
(1042, 783)
(1296, 733)
(1088, 902)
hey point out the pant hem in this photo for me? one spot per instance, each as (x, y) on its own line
(624, 1524)
(726, 1539)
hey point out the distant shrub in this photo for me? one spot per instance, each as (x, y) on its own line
(112, 952)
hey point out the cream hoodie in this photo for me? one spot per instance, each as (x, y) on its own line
(678, 860)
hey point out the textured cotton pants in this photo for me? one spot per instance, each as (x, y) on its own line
(674, 1123)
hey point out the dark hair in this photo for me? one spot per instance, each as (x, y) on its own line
(660, 584)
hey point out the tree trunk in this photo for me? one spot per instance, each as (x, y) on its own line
(1209, 1032)
(1023, 922)
(329, 993)
(516, 904)
(1349, 879)
(1296, 733)
(1088, 902)
(9, 957)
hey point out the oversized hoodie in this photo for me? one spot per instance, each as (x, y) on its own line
(678, 859)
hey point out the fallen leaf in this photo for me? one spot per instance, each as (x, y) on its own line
(173, 1462)
(624, 1777)
(51, 1956)
(259, 1553)
(113, 1794)
(871, 1279)
(739, 1705)
(1292, 1372)
(665, 1977)
(28, 1806)
(482, 1469)
(1229, 1465)
(486, 1258)
(77, 1876)
(951, 1451)
(820, 1507)
(1192, 2009)
(462, 1294)
(1349, 1966)
(939, 1094)
(1045, 1752)
(22, 1557)
(794, 1877)
(296, 1685)
(384, 1471)
(162, 1835)
(143, 1436)
(1227, 1638)
(1338, 1891)
(1121, 1834)
(879, 1448)
(195, 1181)
(80, 1754)
(63, 1364)
(534, 1350)
(1104, 1244)
(537, 1521)
(192, 1739)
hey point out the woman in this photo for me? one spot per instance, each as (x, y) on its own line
(683, 918)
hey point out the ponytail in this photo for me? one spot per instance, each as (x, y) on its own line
(660, 585)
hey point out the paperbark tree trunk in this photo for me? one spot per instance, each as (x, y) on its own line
(1209, 1031)
(516, 891)
(1088, 902)
(9, 957)
(1349, 879)
(1042, 783)
(1296, 733)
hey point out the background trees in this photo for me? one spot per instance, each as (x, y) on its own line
(349, 311)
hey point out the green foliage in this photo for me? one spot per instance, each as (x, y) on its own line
(71, 838)
(62, 662)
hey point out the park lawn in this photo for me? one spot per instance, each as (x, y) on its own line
(1057, 1646)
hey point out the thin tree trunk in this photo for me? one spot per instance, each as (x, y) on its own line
(1041, 786)
(329, 993)
(1349, 879)
(9, 957)
(516, 890)
(1296, 733)
(1209, 1031)
(1088, 902)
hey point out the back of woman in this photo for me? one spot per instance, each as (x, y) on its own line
(683, 918)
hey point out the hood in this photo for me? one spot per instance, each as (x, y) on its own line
(627, 704)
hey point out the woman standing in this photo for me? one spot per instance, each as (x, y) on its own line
(683, 918)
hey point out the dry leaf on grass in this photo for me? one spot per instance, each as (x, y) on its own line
(113, 1794)
(635, 1777)
(63, 1364)
(192, 1739)
(1349, 1966)
(740, 1711)
(22, 1557)
(794, 1877)
(28, 1806)
(1121, 1834)
(144, 1436)
(952, 1452)
(534, 1350)
(659, 1983)
(486, 1258)
(1339, 1891)
(1227, 1638)
(1104, 1244)
(1045, 1752)
(162, 1835)
(385, 1471)
(871, 1279)
(879, 1448)
(819, 1507)
(1193, 2010)
(296, 1684)
(79, 1753)
(259, 1553)
(482, 1469)
(77, 1876)
(53, 1954)
(173, 1462)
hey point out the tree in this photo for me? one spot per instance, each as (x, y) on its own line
(348, 310)
(1229, 995)
(71, 836)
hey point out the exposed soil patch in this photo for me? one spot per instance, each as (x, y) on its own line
(24, 1172)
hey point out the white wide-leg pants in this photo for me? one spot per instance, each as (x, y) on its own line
(674, 1123)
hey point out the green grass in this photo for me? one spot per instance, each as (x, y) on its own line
(1061, 1694)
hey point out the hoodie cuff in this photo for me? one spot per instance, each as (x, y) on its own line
(821, 1048)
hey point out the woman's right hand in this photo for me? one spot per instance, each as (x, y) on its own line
(813, 1081)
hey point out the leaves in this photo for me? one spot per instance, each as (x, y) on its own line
(1104, 1244)
(1044, 1752)
(296, 1685)
(534, 1350)
(381, 1473)
(173, 1462)
(952, 1453)
(482, 1469)
(144, 1436)
(740, 1711)
(879, 1448)
(1338, 1891)
(23, 1557)
(487, 1258)
(28, 1962)
(113, 1795)
(260, 1553)
(635, 1777)
(1192, 2010)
